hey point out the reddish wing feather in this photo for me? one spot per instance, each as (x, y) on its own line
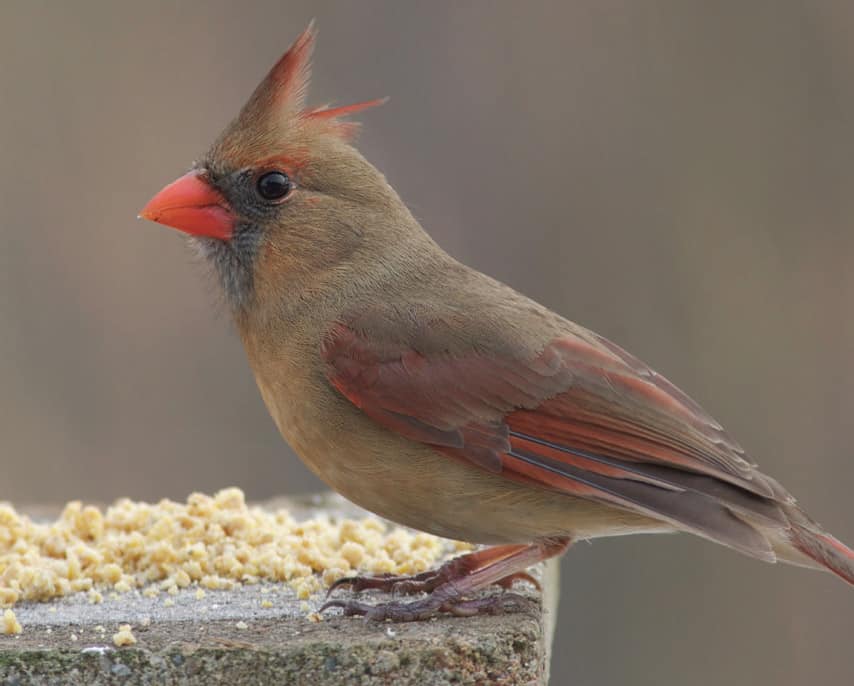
(573, 393)
(580, 417)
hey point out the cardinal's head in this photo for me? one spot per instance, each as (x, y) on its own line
(282, 196)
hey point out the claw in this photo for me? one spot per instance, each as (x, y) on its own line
(347, 607)
(507, 581)
(360, 583)
(390, 583)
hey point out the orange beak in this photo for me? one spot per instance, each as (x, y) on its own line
(192, 205)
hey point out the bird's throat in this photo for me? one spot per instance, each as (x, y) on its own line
(233, 262)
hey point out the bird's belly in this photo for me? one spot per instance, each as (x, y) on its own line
(412, 484)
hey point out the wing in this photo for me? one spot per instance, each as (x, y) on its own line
(581, 416)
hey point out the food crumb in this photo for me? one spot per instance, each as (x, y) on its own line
(266, 603)
(124, 636)
(122, 586)
(11, 625)
(242, 625)
(73, 637)
(200, 593)
(168, 602)
(208, 542)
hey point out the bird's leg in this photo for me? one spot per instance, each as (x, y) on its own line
(427, 581)
(450, 595)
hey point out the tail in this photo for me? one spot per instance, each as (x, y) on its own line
(805, 544)
(825, 550)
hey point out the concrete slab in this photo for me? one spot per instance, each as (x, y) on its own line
(263, 634)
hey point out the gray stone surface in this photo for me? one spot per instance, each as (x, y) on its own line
(227, 637)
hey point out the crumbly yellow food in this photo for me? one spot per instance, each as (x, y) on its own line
(209, 542)
(11, 625)
(124, 636)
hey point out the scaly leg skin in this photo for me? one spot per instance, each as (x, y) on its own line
(449, 586)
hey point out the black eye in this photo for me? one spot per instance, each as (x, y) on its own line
(274, 185)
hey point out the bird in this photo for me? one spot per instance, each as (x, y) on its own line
(436, 396)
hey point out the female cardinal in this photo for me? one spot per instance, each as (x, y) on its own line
(436, 396)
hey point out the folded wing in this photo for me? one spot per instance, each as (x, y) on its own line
(581, 416)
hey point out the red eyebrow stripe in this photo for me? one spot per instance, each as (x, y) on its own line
(297, 159)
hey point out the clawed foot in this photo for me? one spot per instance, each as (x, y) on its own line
(431, 606)
(419, 583)
(450, 587)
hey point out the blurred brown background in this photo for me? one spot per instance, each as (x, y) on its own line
(676, 175)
